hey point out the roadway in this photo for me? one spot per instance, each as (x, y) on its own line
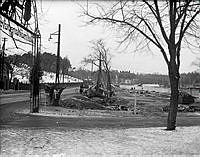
(10, 103)
(11, 98)
(25, 96)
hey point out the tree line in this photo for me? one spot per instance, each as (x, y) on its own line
(47, 61)
(186, 79)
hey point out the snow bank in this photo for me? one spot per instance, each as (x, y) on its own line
(22, 73)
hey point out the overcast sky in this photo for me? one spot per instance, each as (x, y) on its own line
(75, 40)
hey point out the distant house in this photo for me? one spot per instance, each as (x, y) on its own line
(127, 81)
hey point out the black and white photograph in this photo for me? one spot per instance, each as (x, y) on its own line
(111, 78)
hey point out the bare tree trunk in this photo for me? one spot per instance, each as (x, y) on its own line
(57, 97)
(63, 75)
(109, 84)
(174, 81)
(10, 80)
(99, 74)
(36, 86)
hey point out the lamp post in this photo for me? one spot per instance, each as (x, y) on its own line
(58, 53)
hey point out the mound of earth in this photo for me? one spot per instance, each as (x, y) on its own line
(82, 102)
(185, 108)
(77, 103)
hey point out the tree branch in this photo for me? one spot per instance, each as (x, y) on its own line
(122, 22)
(158, 18)
(184, 29)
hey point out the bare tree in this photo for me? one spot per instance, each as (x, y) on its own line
(101, 59)
(162, 24)
(65, 65)
(13, 60)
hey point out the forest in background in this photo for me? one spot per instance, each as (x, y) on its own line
(48, 63)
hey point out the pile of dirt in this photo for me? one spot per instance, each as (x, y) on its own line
(195, 107)
(185, 98)
(82, 102)
(151, 105)
(123, 102)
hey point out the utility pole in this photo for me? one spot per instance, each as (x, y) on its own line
(0, 28)
(35, 82)
(58, 57)
(55, 100)
(58, 53)
(2, 63)
(1, 52)
(1, 56)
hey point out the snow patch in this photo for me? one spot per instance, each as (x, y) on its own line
(22, 73)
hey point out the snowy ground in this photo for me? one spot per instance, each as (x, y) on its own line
(100, 142)
(22, 73)
(62, 141)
